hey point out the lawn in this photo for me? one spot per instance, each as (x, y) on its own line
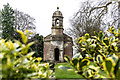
(63, 74)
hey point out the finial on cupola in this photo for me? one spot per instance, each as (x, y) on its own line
(57, 8)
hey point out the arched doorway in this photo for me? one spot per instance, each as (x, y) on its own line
(56, 52)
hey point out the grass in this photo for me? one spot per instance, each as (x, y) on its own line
(63, 74)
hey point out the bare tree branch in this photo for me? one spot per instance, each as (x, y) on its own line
(101, 7)
(24, 21)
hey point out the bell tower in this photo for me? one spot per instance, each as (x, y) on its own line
(57, 23)
(57, 44)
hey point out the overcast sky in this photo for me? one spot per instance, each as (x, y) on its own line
(42, 11)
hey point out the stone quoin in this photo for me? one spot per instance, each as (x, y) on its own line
(57, 44)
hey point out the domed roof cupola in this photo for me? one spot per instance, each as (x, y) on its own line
(57, 13)
(57, 19)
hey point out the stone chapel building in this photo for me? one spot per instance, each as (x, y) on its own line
(57, 44)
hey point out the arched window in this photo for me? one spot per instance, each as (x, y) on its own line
(57, 22)
(56, 52)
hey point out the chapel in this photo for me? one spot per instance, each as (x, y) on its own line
(57, 44)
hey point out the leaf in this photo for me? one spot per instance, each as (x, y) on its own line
(108, 67)
(96, 34)
(25, 49)
(79, 40)
(117, 67)
(100, 35)
(114, 58)
(24, 38)
(99, 59)
(84, 63)
(9, 61)
(106, 42)
(113, 48)
(74, 61)
(30, 44)
(66, 58)
(26, 31)
(78, 55)
(86, 36)
(93, 45)
(78, 66)
(112, 39)
(39, 59)
(83, 49)
(29, 54)
(10, 45)
(32, 74)
(18, 42)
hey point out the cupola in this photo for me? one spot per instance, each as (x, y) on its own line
(57, 23)
(57, 19)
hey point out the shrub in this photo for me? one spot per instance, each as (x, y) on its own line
(99, 56)
(18, 63)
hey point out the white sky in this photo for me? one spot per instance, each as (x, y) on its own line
(42, 11)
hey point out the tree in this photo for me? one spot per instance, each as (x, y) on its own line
(92, 17)
(24, 21)
(85, 21)
(38, 46)
(7, 21)
(112, 15)
(15, 20)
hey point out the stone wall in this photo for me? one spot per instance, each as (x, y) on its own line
(62, 42)
(59, 45)
(46, 50)
(68, 50)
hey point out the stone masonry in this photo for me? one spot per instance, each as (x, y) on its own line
(57, 44)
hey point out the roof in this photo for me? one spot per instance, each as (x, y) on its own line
(58, 37)
(57, 13)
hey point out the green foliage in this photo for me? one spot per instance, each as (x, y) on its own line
(7, 21)
(38, 46)
(17, 63)
(99, 54)
(12, 20)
